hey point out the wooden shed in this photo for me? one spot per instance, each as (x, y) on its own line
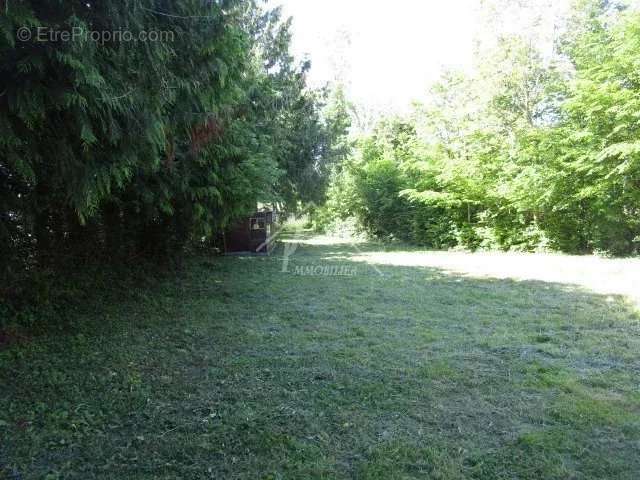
(254, 234)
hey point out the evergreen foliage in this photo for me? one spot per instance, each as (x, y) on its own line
(123, 148)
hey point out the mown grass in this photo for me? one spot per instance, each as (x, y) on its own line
(238, 370)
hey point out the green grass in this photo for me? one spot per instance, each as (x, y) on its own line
(238, 370)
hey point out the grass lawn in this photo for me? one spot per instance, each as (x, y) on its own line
(239, 370)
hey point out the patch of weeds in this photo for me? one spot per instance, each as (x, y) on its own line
(426, 335)
(542, 338)
(583, 410)
(549, 376)
(544, 454)
(439, 370)
(359, 332)
(403, 460)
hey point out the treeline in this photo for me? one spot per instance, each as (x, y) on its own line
(530, 152)
(149, 127)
